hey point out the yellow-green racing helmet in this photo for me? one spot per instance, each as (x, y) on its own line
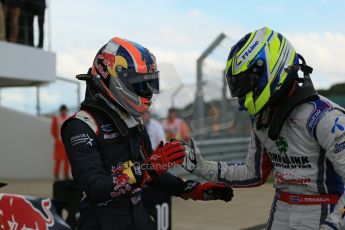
(255, 68)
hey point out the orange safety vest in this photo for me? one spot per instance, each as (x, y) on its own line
(59, 150)
(176, 130)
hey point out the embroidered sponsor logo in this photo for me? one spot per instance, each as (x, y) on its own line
(115, 170)
(337, 126)
(110, 135)
(315, 199)
(289, 162)
(109, 132)
(120, 185)
(135, 200)
(81, 139)
(137, 170)
(294, 199)
(235, 163)
(282, 144)
(190, 186)
(190, 161)
(107, 128)
(136, 196)
(313, 118)
(320, 108)
(280, 179)
(338, 147)
(340, 137)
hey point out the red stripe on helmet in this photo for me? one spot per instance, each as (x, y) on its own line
(135, 53)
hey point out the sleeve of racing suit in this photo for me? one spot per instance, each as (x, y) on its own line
(250, 173)
(87, 169)
(168, 183)
(330, 134)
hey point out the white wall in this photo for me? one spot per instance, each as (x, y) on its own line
(20, 64)
(26, 146)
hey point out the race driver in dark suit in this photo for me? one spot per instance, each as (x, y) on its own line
(109, 149)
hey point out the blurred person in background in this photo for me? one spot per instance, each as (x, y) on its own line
(12, 10)
(2, 22)
(175, 127)
(35, 8)
(154, 129)
(213, 120)
(297, 135)
(109, 148)
(60, 155)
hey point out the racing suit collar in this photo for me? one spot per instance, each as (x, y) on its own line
(306, 92)
(131, 121)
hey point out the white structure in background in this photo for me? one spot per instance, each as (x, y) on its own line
(25, 145)
(25, 66)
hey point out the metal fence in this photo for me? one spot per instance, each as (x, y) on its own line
(42, 99)
(225, 149)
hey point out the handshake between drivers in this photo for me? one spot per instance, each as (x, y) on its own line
(170, 155)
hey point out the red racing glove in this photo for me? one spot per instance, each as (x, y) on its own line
(207, 191)
(165, 157)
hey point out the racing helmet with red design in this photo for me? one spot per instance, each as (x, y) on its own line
(125, 73)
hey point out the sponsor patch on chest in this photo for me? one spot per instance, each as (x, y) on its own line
(107, 128)
(109, 136)
(338, 147)
(289, 162)
(109, 132)
(286, 178)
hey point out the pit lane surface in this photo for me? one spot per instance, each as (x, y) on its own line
(248, 210)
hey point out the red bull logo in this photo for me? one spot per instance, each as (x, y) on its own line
(121, 185)
(17, 213)
(120, 181)
(109, 59)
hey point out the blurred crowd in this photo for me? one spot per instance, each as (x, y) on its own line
(173, 127)
(17, 21)
(178, 125)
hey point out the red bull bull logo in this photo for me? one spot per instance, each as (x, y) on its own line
(18, 213)
(121, 185)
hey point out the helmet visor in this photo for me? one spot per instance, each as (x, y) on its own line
(144, 85)
(242, 83)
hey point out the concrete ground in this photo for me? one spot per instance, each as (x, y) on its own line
(250, 207)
